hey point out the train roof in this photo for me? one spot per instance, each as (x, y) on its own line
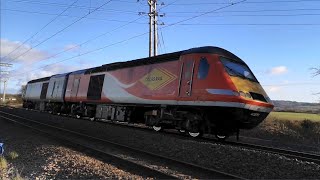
(40, 80)
(150, 60)
(60, 75)
(162, 58)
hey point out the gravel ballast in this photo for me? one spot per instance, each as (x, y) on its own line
(230, 159)
(43, 158)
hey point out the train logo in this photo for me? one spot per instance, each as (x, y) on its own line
(157, 79)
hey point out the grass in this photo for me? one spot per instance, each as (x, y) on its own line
(299, 128)
(293, 116)
(7, 172)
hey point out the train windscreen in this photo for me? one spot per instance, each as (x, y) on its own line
(237, 69)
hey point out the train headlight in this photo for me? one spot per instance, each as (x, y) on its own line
(245, 95)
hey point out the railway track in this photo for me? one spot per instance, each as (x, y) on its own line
(303, 156)
(153, 165)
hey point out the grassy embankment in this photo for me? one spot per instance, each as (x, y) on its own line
(289, 127)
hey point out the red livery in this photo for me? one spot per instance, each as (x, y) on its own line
(200, 90)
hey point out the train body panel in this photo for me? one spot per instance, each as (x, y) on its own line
(57, 88)
(36, 90)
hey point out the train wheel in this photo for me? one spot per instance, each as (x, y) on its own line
(195, 134)
(182, 131)
(221, 137)
(157, 128)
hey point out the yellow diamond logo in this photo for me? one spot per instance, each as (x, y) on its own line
(157, 78)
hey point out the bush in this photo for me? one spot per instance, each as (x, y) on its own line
(13, 155)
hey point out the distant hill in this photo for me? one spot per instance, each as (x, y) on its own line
(293, 106)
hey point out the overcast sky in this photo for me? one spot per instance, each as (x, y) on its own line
(278, 39)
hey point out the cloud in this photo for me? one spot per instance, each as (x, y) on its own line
(17, 48)
(71, 47)
(273, 89)
(278, 70)
(45, 72)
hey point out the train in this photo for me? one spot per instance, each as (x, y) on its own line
(203, 90)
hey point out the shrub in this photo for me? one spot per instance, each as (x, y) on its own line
(13, 155)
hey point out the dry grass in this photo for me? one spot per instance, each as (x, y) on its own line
(289, 127)
(6, 170)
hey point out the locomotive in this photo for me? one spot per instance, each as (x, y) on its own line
(200, 90)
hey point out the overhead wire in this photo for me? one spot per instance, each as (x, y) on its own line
(246, 11)
(64, 15)
(133, 37)
(85, 42)
(247, 2)
(66, 27)
(46, 25)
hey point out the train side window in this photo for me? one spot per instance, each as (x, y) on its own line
(203, 68)
(54, 86)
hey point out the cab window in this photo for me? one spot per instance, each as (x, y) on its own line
(203, 68)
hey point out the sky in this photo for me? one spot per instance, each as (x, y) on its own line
(278, 39)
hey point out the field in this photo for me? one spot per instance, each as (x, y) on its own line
(294, 116)
(297, 128)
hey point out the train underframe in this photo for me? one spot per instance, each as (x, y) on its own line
(195, 121)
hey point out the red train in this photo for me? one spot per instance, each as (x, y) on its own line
(200, 90)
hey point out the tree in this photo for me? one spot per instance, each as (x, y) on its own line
(316, 71)
(22, 90)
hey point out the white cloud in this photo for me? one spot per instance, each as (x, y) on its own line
(278, 70)
(71, 47)
(32, 55)
(44, 72)
(273, 89)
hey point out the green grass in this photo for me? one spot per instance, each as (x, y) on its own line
(294, 116)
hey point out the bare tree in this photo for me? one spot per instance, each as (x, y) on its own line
(316, 71)
(22, 90)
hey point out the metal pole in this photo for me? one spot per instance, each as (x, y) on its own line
(150, 2)
(155, 30)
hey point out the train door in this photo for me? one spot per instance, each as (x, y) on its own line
(186, 76)
(75, 87)
(44, 90)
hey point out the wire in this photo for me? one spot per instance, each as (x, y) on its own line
(251, 24)
(247, 2)
(256, 15)
(61, 30)
(293, 84)
(51, 14)
(136, 36)
(74, 6)
(85, 42)
(241, 11)
(42, 28)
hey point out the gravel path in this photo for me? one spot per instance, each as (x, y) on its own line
(235, 160)
(43, 158)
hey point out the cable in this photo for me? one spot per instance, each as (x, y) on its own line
(61, 30)
(293, 84)
(241, 11)
(42, 28)
(44, 13)
(247, 2)
(74, 6)
(136, 36)
(85, 42)
(257, 15)
(251, 24)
